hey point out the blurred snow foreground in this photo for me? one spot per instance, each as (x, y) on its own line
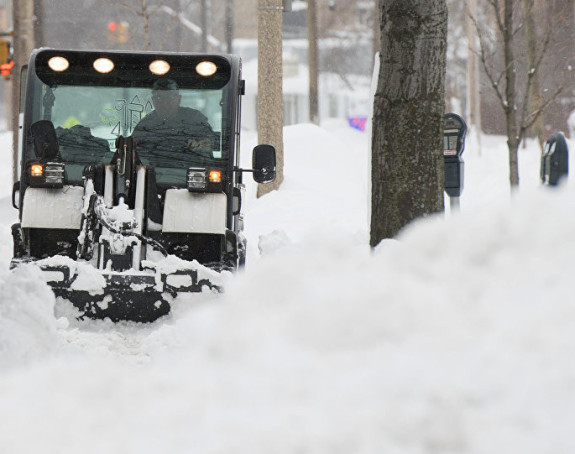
(457, 337)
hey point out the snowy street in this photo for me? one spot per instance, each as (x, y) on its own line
(457, 337)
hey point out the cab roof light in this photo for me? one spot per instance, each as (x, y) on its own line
(58, 64)
(103, 65)
(159, 67)
(206, 68)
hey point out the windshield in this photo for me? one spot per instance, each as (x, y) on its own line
(174, 127)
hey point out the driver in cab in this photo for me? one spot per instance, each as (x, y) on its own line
(171, 131)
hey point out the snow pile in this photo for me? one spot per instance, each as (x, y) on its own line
(456, 337)
(324, 187)
(28, 329)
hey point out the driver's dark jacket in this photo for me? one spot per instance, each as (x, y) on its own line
(164, 141)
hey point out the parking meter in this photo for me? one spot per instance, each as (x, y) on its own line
(453, 146)
(555, 159)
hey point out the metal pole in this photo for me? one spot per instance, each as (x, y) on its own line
(454, 204)
(270, 92)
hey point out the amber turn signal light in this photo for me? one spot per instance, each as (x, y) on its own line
(215, 176)
(37, 170)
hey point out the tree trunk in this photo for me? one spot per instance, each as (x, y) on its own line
(473, 95)
(229, 33)
(313, 62)
(534, 86)
(146, 20)
(407, 143)
(204, 20)
(510, 94)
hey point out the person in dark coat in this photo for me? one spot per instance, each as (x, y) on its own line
(172, 133)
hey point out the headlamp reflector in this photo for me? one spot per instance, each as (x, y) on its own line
(54, 173)
(196, 179)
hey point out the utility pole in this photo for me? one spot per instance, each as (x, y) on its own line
(270, 90)
(23, 42)
(313, 61)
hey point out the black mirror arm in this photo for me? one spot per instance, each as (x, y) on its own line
(239, 170)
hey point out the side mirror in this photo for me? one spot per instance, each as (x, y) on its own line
(45, 140)
(16, 195)
(264, 163)
(236, 201)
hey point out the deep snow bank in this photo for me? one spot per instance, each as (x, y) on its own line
(455, 338)
(28, 329)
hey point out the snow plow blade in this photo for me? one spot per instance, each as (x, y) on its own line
(119, 301)
(131, 296)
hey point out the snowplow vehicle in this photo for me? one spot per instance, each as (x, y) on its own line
(130, 183)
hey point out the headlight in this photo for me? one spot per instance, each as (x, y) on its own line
(197, 180)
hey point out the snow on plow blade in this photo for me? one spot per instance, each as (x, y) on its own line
(141, 296)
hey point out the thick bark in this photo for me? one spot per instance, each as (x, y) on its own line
(407, 143)
(510, 93)
(535, 102)
(313, 61)
(473, 78)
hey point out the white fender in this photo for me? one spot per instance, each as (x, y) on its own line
(53, 208)
(189, 212)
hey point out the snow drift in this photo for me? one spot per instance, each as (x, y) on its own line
(456, 337)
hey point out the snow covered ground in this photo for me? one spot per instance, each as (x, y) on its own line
(457, 337)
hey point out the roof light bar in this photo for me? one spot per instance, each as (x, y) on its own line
(103, 65)
(159, 67)
(206, 68)
(58, 64)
